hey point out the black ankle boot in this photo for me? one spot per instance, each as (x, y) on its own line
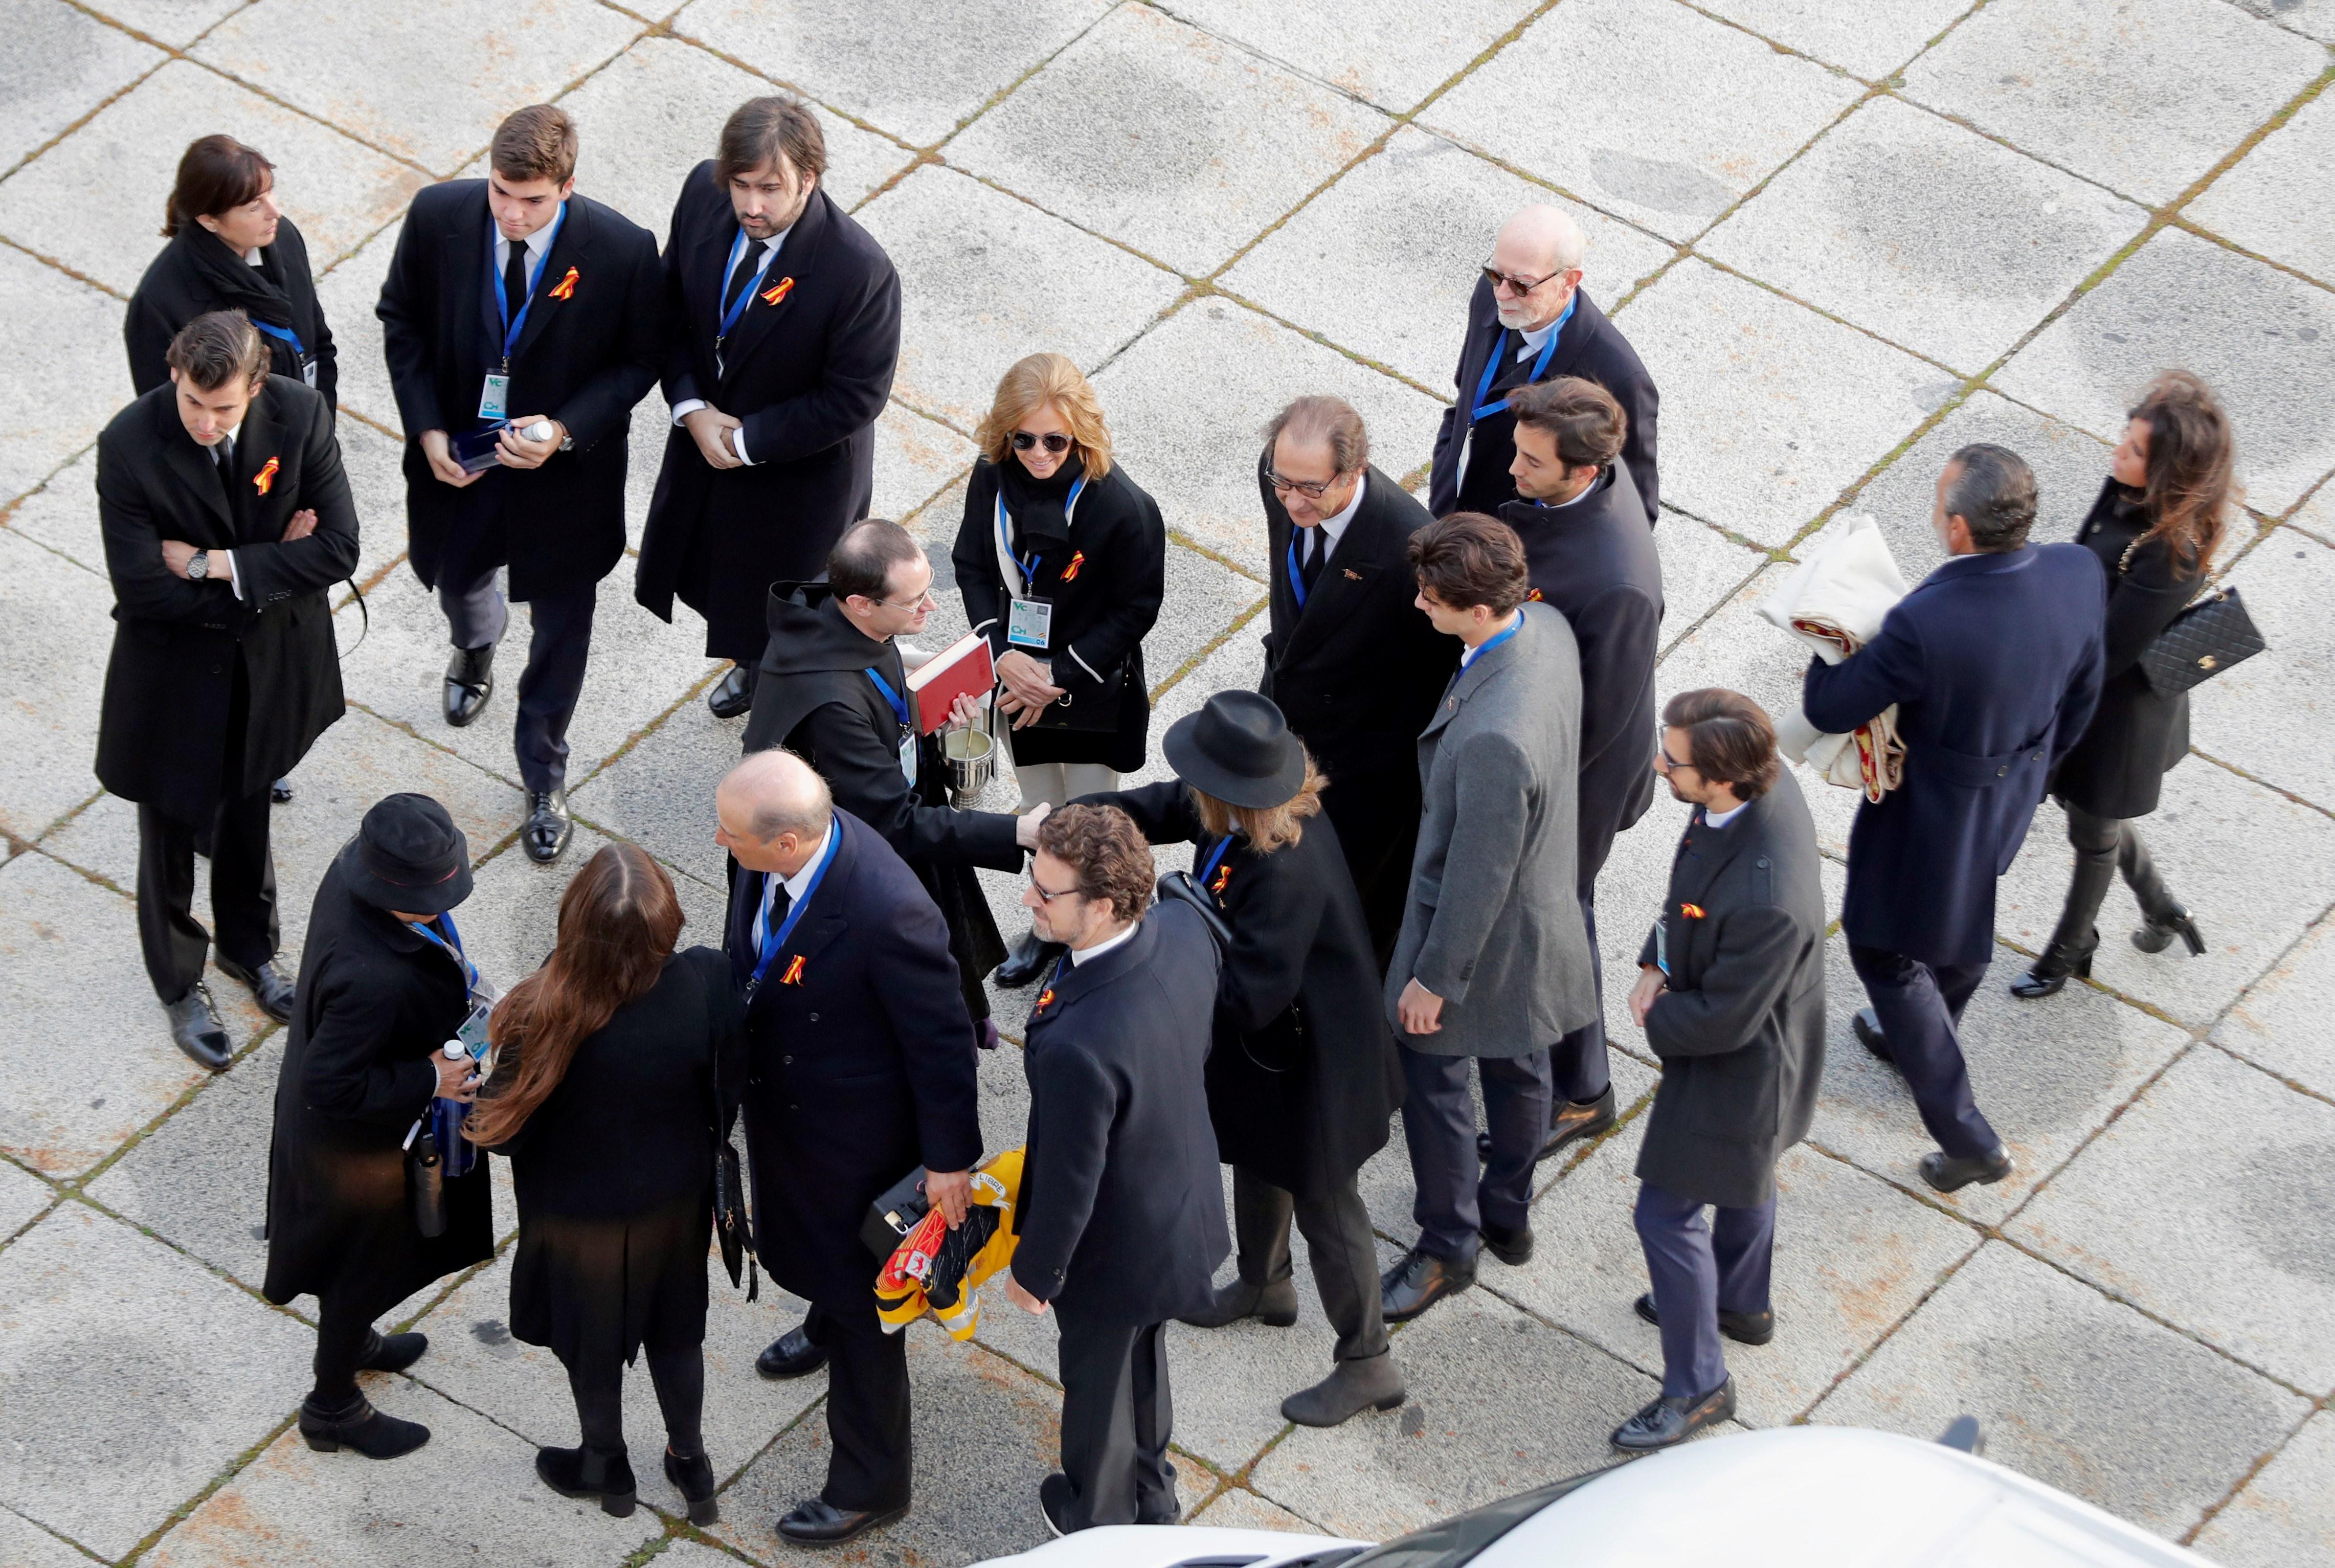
(2158, 934)
(603, 1472)
(694, 1477)
(2049, 972)
(1030, 959)
(357, 1425)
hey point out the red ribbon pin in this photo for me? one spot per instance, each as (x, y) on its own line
(793, 976)
(567, 286)
(264, 480)
(1691, 911)
(1070, 571)
(1224, 875)
(1045, 1000)
(778, 291)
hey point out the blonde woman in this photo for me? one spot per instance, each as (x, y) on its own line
(1061, 559)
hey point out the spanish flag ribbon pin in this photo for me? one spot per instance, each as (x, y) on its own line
(1045, 1000)
(1691, 911)
(566, 285)
(264, 480)
(778, 291)
(1070, 571)
(1217, 885)
(1533, 597)
(793, 976)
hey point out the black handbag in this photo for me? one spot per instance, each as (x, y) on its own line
(894, 1213)
(1087, 707)
(731, 1228)
(2202, 642)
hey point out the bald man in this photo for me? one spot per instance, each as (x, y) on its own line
(1530, 321)
(860, 1069)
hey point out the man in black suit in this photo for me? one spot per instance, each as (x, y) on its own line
(860, 1069)
(1119, 1218)
(225, 518)
(783, 330)
(508, 295)
(1355, 669)
(1591, 557)
(1529, 320)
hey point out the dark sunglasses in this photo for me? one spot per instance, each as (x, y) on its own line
(1496, 278)
(1056, 441)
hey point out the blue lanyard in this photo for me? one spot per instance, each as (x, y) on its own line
(899, 703)
(774, 940)
(454, 949)
(1030, 566)
(1489, 643)
(512, 328)
(284, 334)
(1296, 582)
(738, 306)
(1215, 856)
(1492, 365)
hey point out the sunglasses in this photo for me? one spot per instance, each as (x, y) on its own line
(1055, 441)
(1497, 278)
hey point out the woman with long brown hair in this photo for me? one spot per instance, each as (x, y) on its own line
(2155, 526)
(602, 1097)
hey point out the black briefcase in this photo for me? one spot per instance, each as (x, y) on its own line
(2202, 642)
(894, 1213)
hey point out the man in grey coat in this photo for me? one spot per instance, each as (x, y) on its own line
(1493, 960)
(1731, 994)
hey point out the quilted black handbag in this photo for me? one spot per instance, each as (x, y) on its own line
(2202, 640)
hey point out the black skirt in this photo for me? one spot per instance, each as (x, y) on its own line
(593, 1292)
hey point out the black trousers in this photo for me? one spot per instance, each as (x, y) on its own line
(243, 872)
(1337, 1229)
(1920, 1006)
(1115, 1417)
(1578, 1071)
(870, 1463)
(1377, 830)
(556, 653)
(2105, 846)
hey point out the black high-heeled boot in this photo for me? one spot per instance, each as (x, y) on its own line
(2049, 972)
(694, 1477)
(605, 1474)
(2157, 931)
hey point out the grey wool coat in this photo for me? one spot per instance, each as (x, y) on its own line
(1493, 923)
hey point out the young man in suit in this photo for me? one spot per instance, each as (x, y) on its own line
(784, 328)
(1529, 320)
(1591, 558)
(1731, 994)
(1121, 1221)
(1493, 961)
(1354, 668)
(1994, 663)
(226, 518)
(861, 1069)
(523, 316)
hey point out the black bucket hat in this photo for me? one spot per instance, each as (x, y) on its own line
(409, 856)
(1238, 748)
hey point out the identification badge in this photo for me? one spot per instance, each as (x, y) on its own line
(308, 370)
(1030, 622)
(494, 398)
(1662, 944)
(909, 756)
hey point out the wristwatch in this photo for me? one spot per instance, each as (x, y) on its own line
(198, 566)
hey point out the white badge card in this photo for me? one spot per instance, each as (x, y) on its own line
(308, 371)
(1662, 944)
(494, 398)
(909, 756)
(1030, 622)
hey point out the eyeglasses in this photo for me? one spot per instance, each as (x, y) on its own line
(1497, 279)
(1668, 764)
(1045, 897)
(1055, 441)
(1311, 491)
(919, 603)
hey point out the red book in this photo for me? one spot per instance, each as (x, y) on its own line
(963, 668)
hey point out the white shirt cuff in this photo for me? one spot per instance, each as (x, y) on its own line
(738, 445)
(232, 580)
(687, 407)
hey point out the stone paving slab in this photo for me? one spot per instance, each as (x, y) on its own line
(176, 22)
(2280, 1024)
(1239, 1508)
(347, 296)
(2269, 203)
(2286, 1514)
(1871, 40)
(2071, 1389)
(2287, 581)
(56, 631)
(2311, 19)
(1337, 40)
(46, 418)
(24, 1197)
(28, 1545)
(916, 457)
(59, 63)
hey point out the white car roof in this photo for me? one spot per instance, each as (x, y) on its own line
(1162, 1545)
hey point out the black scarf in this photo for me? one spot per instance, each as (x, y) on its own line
(257, 291)
(1035, 504)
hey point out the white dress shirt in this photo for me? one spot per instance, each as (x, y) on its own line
(1722, 818)
(760, 260)
(797, 887)
(219, 562)
(1532, 339)
(1334, 529)
(536, 244)
(1081, 954)
(1468, 655)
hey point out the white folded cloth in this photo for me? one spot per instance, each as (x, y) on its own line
(1835, 600)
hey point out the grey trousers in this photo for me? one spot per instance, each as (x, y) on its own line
(556, 653)
(1337, 1230)
(1438, 1124)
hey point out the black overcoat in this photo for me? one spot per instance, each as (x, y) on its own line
(1298, 942)
(1740, 1026)
(815, 698)
(161, 732)
(1594, 562)
(1121, 1208)
(1589, 346)
(2137, 733)
(808, 375)
(1106, 590)
(1993, 662)
(197, 273)
(589, 350)
(859, 1068)
(375, 1003)
(1357, 672)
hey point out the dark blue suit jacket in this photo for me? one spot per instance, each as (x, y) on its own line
(1994, 663)
(860, 1065)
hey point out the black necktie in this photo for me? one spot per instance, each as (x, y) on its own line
(740, 276)
(515, 279)
(1309, 569)
(781, 902)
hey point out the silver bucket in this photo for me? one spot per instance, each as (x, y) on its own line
(972, 757)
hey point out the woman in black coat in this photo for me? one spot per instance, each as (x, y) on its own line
(603, 1097)
(1054, 524)
(1303, 1077)
(2155, 527)
(383, 985)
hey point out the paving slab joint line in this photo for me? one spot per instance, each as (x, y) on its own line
(2269, 1072)
(1201, 290)
(2257, 779)
(103, 104)
(1218, 640)
(697, 687)
(1006, 91)
(667, 29)
(235, 1467)
(2261, 1462)
(1891, 77)
(74, 1186)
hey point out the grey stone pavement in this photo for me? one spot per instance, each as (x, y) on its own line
(1845, 237)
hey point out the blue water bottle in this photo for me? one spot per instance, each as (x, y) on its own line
(446, 1120)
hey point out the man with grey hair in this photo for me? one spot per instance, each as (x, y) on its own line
(1354, 668)
(1530, 320)
(1994, 663)
(861, 1069)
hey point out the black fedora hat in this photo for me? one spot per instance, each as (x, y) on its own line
(408, 856)
(1238, 748)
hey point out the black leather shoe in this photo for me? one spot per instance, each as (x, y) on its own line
(2050, 970)
(1371, 1383)
(1512, 1247)
(1668, 1422)
(360, 1426)
(1865, 1024)
(1030, 959)
(1054, 1503)
(1572, 1121)
(2158, 934)
(196, 1029)
(605, 1474)
(816, 1522)
(391, 1353)
(280, 791)
(1948, 1174)
(1743, 1328)
(270, 990)
(791, 1355)
(693, 1478)
(1418, 1281)
(469, 682)
(731, 698)
(550, 825)
(1273, 1306)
